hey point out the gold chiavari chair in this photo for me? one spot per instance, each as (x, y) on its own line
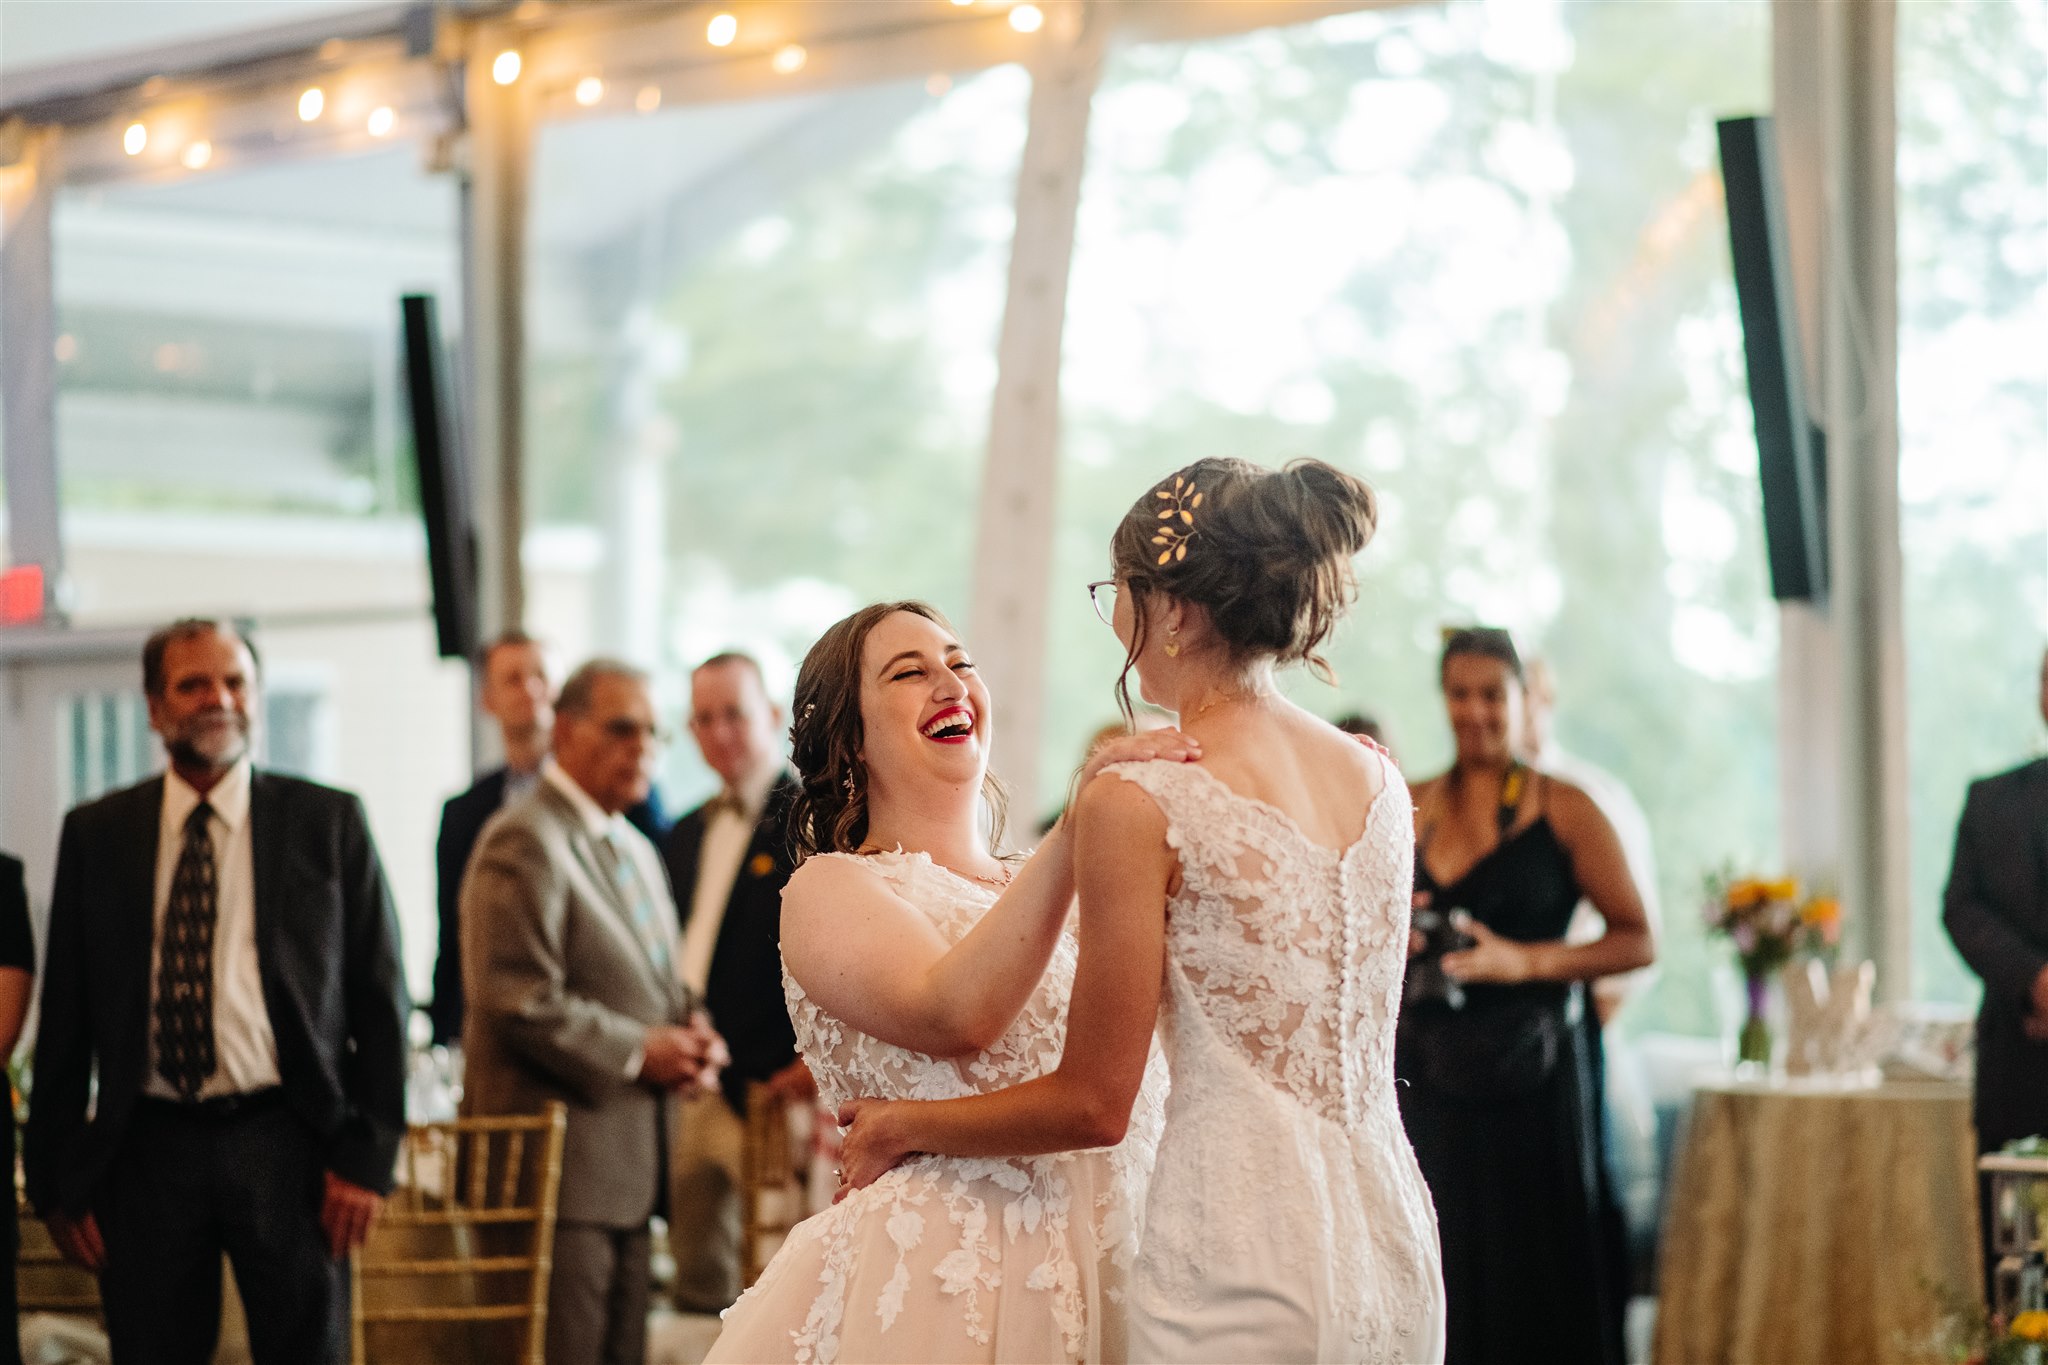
(772, 1187)
(465, 1245)
(44, 1281)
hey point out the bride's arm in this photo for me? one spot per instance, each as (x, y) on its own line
(1125, 869)
(868, 957)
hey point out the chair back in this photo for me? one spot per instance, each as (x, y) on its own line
(772, 1185)
(44, 1281)
(461, 1255)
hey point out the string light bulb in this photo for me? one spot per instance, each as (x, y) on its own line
(197, 154)
(589, 91)
(382, 120)
(722, 29)
(311, 103)
(789, 60)
(134, 138)
(505, 67)
(1027, 18)
(962, 4)
(648, 100)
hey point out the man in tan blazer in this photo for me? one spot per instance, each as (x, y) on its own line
(569, 943)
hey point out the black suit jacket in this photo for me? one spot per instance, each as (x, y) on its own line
(462, 819)
(1996, 910)
(743, 990)
(327, 945)
(17, 946)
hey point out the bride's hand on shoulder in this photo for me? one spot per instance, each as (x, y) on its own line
(1382, 750)
(870, 1147)
(1166, 743)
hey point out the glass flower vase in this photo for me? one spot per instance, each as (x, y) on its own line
(1754, 1042)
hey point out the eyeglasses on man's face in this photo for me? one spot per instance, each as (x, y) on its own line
(626, 730)
(1102, 596)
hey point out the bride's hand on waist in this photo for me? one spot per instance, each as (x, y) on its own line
(871, 1145)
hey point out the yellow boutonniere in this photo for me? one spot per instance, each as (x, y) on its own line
(762, 864)
(2031, 1326)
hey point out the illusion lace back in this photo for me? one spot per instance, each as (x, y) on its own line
(947, 1258)
(1287, 1219)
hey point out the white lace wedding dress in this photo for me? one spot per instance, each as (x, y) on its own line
(949, 1259)
(1287, 1218)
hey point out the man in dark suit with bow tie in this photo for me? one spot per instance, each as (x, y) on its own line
(223, 959)
(514, 690)
(1996, 910)
(728, 861)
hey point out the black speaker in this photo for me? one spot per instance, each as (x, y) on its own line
(1791, 449)
(445, 504)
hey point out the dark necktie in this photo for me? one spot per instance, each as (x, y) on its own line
(184, 978)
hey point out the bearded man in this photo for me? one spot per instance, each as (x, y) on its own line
(223, 962)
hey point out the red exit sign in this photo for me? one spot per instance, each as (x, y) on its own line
(21, 595)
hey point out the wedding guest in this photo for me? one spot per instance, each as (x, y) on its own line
(570, 937)
(1500, 1056)
(220, 1056)
(514, 690)
(728, 861)
(17, 984)
(1996, 910)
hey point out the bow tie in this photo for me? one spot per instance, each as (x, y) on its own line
(725, 803)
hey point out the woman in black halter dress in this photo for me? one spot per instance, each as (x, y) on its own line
(1498, 1051)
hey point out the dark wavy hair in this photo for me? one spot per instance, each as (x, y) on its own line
(1485, 642)
(1267, 552)
(829, 813)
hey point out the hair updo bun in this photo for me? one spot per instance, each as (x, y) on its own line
(1267, 553)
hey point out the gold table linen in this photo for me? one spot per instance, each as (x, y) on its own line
(1807, 1223)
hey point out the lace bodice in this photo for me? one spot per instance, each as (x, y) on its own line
(955, 1258)
(1287, 1218)
(849, 1063)
(1293, 951)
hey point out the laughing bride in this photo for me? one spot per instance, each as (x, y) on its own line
(919, 965)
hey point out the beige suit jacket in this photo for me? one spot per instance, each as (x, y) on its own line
(560, 994)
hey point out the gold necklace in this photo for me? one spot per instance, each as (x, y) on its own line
(998, 881)
(1207, 706)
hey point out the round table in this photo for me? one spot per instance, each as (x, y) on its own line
(1807, 1222)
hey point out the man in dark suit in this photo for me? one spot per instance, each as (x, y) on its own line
(1996, 910)
(17, 987)
(728, 861)
(573, 996)
(513, 690)
(223, 960)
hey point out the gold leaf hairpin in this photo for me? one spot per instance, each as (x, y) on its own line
(1179, 518)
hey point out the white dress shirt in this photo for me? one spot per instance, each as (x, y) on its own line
(244, 1047)
(727, 833)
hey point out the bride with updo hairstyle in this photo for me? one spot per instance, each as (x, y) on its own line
(1253, 905)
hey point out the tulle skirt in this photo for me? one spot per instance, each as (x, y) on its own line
(951, 1260)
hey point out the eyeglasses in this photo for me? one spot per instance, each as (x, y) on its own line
(623, 730)
(1102, 596)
